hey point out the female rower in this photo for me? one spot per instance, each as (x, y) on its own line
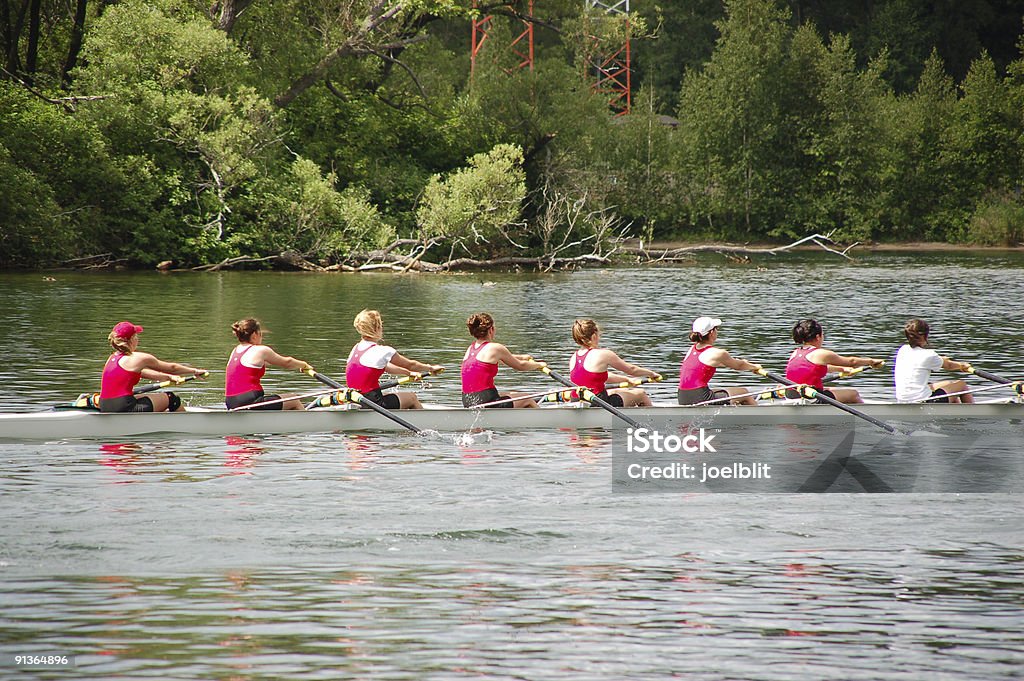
(809, 363)
(368, 361)
(915, 362)
(701, 362)
(588, 368)
(126, 365)
(247, 365)
(480, 366)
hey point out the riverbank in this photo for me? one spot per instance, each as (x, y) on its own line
(910, 246)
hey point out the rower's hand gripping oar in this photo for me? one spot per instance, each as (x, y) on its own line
(339, 398)
(356, 396)
(814, 394)
(139, 389)
(589, 396)
(849, 372)
(1018, 386)
(566, 395)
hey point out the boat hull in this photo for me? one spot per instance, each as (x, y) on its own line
(58, 425)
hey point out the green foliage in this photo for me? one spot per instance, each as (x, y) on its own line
(736, 140)
(846, 146)
(309, 127)
(998, 221)
(181, 104)
(478, 203)
(32, 230)
(914, 193)
(306, 214)
(64, 184)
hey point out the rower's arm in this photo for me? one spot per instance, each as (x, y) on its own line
(170, 370)
(953, 365)
(722, 358)
(403, 366)
(616, 362)
(833, 359)
(269, 356)
(517, 362)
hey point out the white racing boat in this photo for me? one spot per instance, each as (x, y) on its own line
(199, 421)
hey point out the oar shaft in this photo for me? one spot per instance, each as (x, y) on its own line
(988, 376)
(356, 396)
(828, 400)
(589, 396)
(150, 387)
(407, 379)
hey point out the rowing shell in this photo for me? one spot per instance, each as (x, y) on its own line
(59, 425)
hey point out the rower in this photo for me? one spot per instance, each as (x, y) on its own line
(247, 365)
(480, 366)
(369, 359)
(126, 365)
(701, 362)
(588, 368)
(809, 363)
(915, 362)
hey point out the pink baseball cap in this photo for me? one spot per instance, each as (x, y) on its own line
(126, 329)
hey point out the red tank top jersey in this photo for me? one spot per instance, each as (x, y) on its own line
(692, 372)
(477, 375)
(239, 378)
(581, 376)
(117, 381)
(799, 369)
(360, 377)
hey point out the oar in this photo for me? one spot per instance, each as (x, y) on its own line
(589, 396)
(988, 376)
(812, 393)
(846, 373)
(566, 395)
(1018, 386)
(780, 393)
(356, 396)
(92, 400)
(636, 382)
(139, 389)
(416, 376)
(329, 402)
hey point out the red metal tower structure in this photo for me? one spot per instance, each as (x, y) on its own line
(609, 62)
(521, 45)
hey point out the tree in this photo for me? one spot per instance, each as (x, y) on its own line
(736, 138)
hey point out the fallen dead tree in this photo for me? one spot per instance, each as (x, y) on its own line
(649, 255)
(100, 261)
(404, 255)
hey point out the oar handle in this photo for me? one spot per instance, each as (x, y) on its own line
(414, 376)
(589, 396)
(139, 389)
(356, 396)
(814, 394)
(847, 373)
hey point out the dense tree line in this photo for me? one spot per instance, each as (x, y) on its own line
(351, 130)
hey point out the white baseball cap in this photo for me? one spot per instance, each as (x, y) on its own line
(703, 325)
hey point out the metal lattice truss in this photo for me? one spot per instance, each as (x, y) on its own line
(610, 64)
(521, 45)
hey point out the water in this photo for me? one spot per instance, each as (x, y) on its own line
(389, 556)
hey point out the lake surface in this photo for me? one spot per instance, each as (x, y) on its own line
(494, 555)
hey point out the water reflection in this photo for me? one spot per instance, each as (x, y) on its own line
(643, 617)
